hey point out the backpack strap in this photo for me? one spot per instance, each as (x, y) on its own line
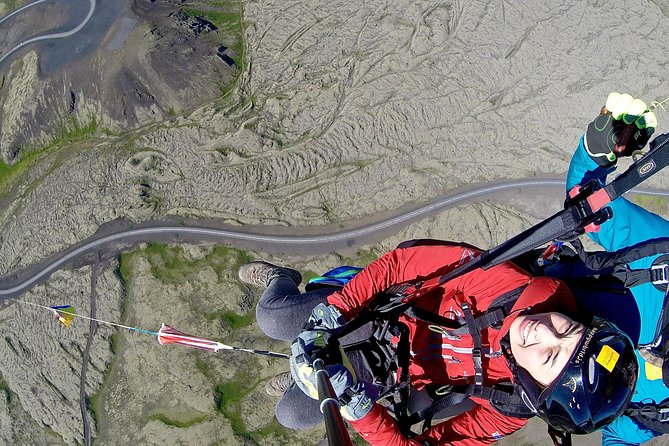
(501, 396)
(653, 416)
(493, 317)
(615, 263)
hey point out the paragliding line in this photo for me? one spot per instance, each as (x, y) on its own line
(166, 335)
(154, 333)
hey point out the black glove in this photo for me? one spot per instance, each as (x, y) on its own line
(623, 127)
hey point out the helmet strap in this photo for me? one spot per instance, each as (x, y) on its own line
(560, 438)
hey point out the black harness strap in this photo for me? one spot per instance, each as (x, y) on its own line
(653, 416)
(656, 274)
(501, 397)
(493, 317)
(615, 263)
(477, 351)
(426, 415)
(498, 310)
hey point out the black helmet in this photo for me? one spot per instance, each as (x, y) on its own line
(595, 386)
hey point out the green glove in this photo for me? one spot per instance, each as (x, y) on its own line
(358, 400)
(304, 374)
(325, 320)
(624, 126)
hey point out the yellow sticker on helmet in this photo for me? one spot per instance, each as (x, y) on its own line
(608, 358)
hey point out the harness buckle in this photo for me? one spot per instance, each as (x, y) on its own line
(659, 274)
(477, 356)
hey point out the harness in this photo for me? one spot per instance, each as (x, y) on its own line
(502, 396)
(384, 359)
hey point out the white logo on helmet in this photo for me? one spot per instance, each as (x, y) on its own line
(571, 384)
(584, 346)
(574, 404)
(526, 400)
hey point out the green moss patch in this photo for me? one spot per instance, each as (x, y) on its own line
(68, 133)
(124, 270)
(178, 423)
(236, 321)
(228, 397)
(10, 173)
(72, 130)
(170, 265)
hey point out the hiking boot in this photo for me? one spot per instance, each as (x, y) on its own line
(261, 273)
(278, 385)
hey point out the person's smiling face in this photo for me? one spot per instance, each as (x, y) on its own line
(543, 343)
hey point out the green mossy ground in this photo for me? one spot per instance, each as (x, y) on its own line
(68, 133)
(229, 395)
(172, 265)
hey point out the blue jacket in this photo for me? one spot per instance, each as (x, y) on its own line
(630, 225)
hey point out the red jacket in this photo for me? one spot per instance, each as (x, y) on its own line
(436, 359)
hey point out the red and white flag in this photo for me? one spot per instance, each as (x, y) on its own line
(169, 335)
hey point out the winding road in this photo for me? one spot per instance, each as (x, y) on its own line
(333, 240)
(60, 35)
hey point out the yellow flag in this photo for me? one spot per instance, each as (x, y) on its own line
(64, 314)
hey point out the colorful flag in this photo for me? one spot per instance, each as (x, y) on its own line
(64, 314)
(169, 335)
